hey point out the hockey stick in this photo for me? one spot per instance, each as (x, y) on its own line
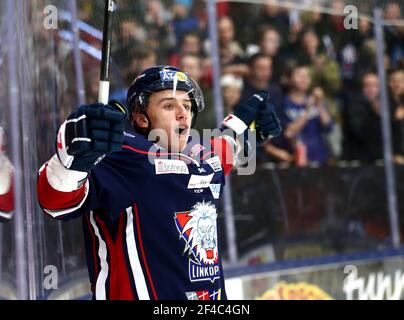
(103, 93)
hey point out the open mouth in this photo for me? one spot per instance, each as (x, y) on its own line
(182, 130)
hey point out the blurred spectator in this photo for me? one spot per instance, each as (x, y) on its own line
(307, 116)
(190, 44)
(156, 22)
(193, 65)
(332, 26)
(131, 62)
(362, 123)
(259, 78)
(230, 51)
(313, 19)
(232, 87)
(131, 30)
(355, 58)
(396, 87)
(183, 22)
(269, 43)
(394, 35)
(324, 71)
(272, 14)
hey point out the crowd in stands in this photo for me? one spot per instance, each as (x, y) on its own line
(321, 77)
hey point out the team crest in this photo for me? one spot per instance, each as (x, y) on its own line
(199, 231)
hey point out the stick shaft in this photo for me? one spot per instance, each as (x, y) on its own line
(106, 52)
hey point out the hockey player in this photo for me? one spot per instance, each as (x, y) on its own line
(6, 183)
(148, 198)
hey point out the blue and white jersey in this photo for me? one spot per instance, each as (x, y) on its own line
(150, 222)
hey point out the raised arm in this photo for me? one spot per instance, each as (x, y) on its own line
(82, 141)
(267, 125)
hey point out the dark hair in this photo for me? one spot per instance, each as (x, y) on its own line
(289, 69)
(256, 56)
(395, 70)
(189, 34)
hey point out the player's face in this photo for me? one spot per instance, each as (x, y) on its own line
(172, 114)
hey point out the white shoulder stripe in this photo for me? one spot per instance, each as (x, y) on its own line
(137, 271)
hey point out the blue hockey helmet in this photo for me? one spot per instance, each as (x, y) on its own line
(160, 78)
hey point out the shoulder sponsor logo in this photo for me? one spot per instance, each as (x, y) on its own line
(167, 166)
(215, 189)
(198, 182)
(215, 163)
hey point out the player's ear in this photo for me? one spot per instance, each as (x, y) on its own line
(140, 120)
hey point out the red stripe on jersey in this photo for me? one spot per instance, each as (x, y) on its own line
(224, 150)
(146, 152)
(142, 251)
(119, 282)
(53, 199)
(7, 199)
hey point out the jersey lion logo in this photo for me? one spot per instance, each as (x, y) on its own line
(198, 229)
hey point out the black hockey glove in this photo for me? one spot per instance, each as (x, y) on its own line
(89, 133)
(267, 124)
(247, 111)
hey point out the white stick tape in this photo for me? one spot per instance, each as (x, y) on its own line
(103, 94)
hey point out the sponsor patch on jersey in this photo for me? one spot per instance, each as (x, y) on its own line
(168, 166)
(215, 189)
(168, 75)
(198, 229)
(215, 163)
(198, 182)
